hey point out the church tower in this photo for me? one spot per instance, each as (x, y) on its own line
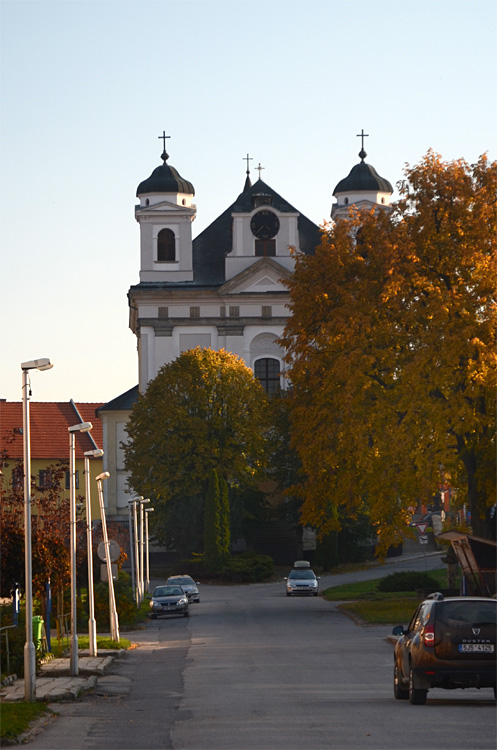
(165, 214)
(363, 188)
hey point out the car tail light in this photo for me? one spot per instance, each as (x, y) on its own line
(429, 636)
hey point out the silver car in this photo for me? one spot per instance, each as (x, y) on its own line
(301, 581)
(168, 600)
(187, 584)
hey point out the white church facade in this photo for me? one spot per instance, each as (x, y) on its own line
(223, 289)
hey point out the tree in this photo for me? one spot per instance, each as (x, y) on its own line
(391, 352)
(203, 411)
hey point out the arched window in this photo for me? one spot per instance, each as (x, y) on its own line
(268, 372)
(166, 245)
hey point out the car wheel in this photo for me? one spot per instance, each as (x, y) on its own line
(400, 692)
(417, 696)
(288, 593)
(153, 617)
(186, 614)
(315, 593)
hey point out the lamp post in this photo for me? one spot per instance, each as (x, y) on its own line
(114, 621)
(131, 545)
(73, 645)
(29, 648)
(147, 553)
(92, 625)
(142, 548)
(136, 555)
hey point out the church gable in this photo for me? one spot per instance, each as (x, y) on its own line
(263, 276)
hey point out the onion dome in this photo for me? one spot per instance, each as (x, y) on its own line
(363, 177)
(165, 179)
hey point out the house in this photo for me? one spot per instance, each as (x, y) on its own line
(49, 442)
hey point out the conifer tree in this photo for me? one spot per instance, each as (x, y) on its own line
(212, 526)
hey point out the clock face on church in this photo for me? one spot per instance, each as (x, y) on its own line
(265, 224)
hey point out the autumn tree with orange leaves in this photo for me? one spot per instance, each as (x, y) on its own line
(391, 353)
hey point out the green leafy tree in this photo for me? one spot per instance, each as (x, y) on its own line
(203, 411)
(392, 354)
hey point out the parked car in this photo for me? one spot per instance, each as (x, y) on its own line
(168, 600)
(302, 580)
(449, 643)
(187, 584)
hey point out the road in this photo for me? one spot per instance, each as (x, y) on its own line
(253, 669)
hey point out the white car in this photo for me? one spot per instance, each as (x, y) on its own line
(187, 584)
(302, 580)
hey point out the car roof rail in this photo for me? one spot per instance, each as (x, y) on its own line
(437, 596)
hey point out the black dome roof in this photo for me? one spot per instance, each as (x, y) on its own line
(165, 179)
(363, 177)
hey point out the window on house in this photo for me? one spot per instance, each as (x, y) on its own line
(166, 245)
(234, 311)
(68, 480)
(267, 370)
(265, 248)
(194, 312)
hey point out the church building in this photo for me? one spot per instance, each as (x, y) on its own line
(222, 289)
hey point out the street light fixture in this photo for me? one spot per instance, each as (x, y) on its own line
(114, 621)
(147, 552)
(92, 625)
(29, 648)
(73, 650)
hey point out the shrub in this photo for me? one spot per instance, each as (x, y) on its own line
(410, 580)
(125, 602)
(244, 568)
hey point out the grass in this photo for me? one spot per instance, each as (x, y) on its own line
(103, 642)
(16, 717)
(363, 600)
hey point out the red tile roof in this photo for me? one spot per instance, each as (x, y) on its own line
(49, 422)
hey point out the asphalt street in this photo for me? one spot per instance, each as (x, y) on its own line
(251, 669)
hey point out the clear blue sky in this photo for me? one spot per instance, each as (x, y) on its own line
(87, 88)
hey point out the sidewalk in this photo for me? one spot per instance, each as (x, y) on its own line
(54, 682)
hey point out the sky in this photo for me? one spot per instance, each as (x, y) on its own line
(88, 86)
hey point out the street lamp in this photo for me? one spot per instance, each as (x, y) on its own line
(142, 548)
(114, 621)
(29, 648)
(147, 554)
(92, 625)
(73, 650)
(135, 559)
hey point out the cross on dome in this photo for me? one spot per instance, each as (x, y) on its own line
(164, 155)
(362, 135)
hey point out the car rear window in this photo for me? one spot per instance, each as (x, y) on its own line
(467, 613)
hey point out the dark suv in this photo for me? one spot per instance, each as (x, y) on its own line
(449, 643)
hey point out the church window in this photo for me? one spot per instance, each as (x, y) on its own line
(265, 248)
(266, 311)
(222, 311)
(267, 370)
(163, 312)
(234, 311)
(194, 312)
(166, 245)
(346, 201)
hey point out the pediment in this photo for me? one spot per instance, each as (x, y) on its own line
(165, 207)
(265, 275)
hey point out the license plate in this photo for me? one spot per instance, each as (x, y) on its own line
(475, 648)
